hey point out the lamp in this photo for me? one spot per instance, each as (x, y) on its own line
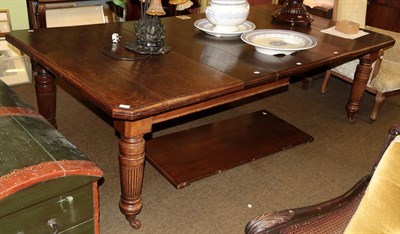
(149, 30)
(294, 12)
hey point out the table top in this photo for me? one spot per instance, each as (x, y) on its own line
(199, 67)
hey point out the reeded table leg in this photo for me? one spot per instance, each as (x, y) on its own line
(131, 164)
(361, 77)
(45, 93)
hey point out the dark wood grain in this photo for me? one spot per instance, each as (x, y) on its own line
(384, 14)
(221, 66)
(199, 73)
(216, 147)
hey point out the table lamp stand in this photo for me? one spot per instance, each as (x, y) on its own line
(293, 12)
(150, 34)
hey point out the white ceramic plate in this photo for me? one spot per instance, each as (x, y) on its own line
(207, 27)
(277, 41)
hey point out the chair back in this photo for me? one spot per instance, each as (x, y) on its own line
(393, 53)
(354, 10)
(74, 16)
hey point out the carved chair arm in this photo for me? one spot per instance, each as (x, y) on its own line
(330, 216)
(334, 214)
(393, 133)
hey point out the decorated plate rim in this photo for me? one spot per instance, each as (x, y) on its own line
(245, 38)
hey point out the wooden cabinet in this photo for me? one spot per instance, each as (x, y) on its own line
(384, 14)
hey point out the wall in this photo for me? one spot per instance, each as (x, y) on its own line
(18, 13)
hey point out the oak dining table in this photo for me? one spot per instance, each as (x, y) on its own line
(200, 72)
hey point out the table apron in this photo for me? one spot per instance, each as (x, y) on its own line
(219, 101)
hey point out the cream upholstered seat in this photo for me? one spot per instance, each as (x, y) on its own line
(384, 79)
(379, 209)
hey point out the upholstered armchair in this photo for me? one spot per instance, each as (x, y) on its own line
(384, 79)
(371, 206)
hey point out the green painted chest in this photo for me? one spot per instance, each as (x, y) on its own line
(46, 184)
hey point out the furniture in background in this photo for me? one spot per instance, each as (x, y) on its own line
(40, 10)
(198, 74)
(256, 2)
(13, 69)
(354, 10)
(383, 80)
(5, 22)
(321, 11)
(384, 14)
(132, 8)
(46, 184)
(74, 16)
(293, 12)
(370, 206)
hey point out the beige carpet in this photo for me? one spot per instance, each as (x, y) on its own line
(340, 154)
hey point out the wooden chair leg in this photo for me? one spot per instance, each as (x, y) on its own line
(325, 82)
(379, 98)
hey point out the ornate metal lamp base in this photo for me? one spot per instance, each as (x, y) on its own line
(147, 48)
(294, 12)
(150, 36)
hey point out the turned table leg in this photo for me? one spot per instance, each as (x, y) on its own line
(360, 81)
(45, 93)
(131, 164)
